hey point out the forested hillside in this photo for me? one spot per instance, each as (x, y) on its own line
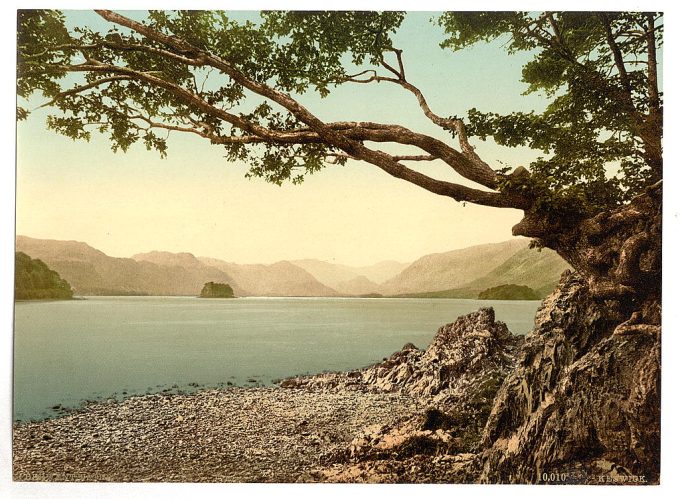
(33, 280)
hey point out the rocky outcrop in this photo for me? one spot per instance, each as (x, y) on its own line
(578, 401)
(454, 382)
(583, 404)
(463, 358)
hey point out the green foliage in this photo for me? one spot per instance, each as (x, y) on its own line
(509, 292)
(33, 280)
(216, 290)
(291, 51)
(593, 126)
(596, 136)
(312, 45)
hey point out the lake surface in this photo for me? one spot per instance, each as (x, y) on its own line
(66, 352)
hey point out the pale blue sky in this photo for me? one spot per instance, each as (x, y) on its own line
(195, 201)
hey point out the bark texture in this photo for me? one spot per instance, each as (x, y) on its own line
(618, 253)
(584, 399)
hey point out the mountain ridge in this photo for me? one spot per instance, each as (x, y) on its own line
(92, 272)
(277, 279)
(451, 269)
(335, 274)
(459, 273)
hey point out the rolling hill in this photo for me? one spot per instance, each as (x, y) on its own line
(453, 269)
(465, 273)
(539, 270)
(462, 273)
(91, 272)
(278, 279)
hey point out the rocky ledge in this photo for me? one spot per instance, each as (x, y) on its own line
(584, 401)
(472, 352)
(454, 381)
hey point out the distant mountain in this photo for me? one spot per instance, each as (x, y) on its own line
(168, 259)
(278, 279)
(453, 269)
(351, 280)
(381, 271)
(33, 280)
(539, 270)
(467, 272)
(360, 285)
(460, 273)
(91, 272)
(329, 274)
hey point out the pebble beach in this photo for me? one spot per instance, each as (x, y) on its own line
(229, 435)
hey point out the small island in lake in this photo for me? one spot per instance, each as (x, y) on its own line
(510, 292)
(34, 280)
(216, 290)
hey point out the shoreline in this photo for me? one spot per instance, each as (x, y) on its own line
(417, 416)
(303, 297)
(235, 434)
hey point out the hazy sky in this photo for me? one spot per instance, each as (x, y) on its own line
(198, 202)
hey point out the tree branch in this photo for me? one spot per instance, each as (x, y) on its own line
(82, 88)
(414, 157)
(346, 137)
(652, 83)
(618, 59)
(119, 45)
(468, 169)
(387, 66)
(351, 133)
(477, 170)
(215, 139)
(401, 63)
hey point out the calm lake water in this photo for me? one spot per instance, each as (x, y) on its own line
(66, 352)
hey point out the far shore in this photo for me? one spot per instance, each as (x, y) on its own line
(344, 297)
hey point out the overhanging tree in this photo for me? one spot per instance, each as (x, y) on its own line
(191, 72)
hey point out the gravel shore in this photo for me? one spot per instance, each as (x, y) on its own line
(230, 435)
(415, 417)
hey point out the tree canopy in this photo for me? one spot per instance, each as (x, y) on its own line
(191, 72)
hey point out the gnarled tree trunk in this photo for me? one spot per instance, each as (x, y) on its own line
(583, 404)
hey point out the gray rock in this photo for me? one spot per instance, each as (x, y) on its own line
(577, 398)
